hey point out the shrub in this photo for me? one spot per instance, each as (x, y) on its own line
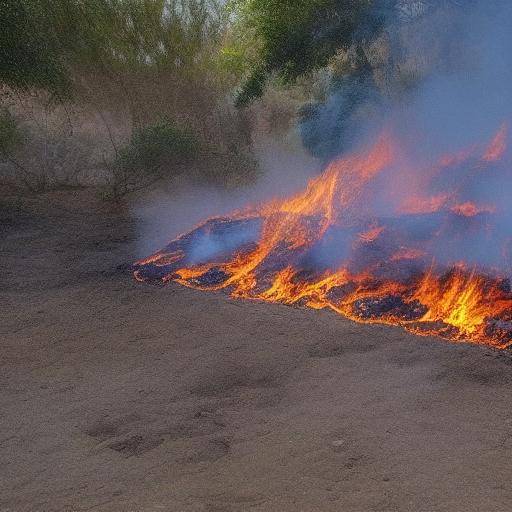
(40, 150)
(152, 147)
(154, 151)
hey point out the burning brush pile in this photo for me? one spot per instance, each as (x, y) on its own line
(374, 238)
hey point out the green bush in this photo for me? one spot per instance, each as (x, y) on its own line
(157, 146)
(153, 152)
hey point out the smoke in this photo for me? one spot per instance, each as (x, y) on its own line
(449, 62)
(177, 207)
(461, 104)
(452, 55)
(412, 222)
(470, 96)
(329, 128)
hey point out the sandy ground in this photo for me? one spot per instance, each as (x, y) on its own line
(120, 396)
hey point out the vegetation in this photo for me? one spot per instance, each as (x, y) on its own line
(152, 151)
(29, 55)
(114, 83)
(45, 42)
(296, 37)
(113, 69)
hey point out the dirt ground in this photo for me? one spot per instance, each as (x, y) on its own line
(121, 396)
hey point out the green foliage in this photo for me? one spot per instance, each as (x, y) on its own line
(154, 151)
(130, 34)
(251, 88)
(28, 49)
(294, 37)
(43, 43)
(153, 147)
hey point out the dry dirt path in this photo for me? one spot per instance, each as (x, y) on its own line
(119, 396)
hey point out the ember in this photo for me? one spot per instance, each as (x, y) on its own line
(432, 260)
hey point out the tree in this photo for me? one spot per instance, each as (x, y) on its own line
(28, 50)
(293, 37)
(44, 42)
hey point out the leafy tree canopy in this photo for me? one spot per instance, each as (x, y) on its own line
(43, 41)
(28, 56)
(293, 37)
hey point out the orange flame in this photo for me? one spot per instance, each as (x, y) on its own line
(498, 145)
(416, 204)
(390, 286)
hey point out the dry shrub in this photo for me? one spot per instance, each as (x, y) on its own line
(129, 66)
(197, 105)
(48, 152)
(84, 142)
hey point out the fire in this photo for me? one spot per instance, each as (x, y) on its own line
(498, 145)
(334, 245)
(372, 234)
(416, 204)
(458, 302)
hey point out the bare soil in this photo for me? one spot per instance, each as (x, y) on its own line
(120, 396)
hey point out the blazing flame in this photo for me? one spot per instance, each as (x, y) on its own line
(335, 246)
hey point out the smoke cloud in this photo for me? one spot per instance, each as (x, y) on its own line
(411, 223)
(456, 54)
(168, 211)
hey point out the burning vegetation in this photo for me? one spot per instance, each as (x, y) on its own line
(373, 239)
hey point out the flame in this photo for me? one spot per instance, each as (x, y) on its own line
(463, 300)
(498, 145)
(371, 235)
(417, 204)
(317, 247)
(457, 302)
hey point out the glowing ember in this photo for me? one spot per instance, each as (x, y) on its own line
(371, 239)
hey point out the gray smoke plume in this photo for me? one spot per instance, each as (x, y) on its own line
(440, 83)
